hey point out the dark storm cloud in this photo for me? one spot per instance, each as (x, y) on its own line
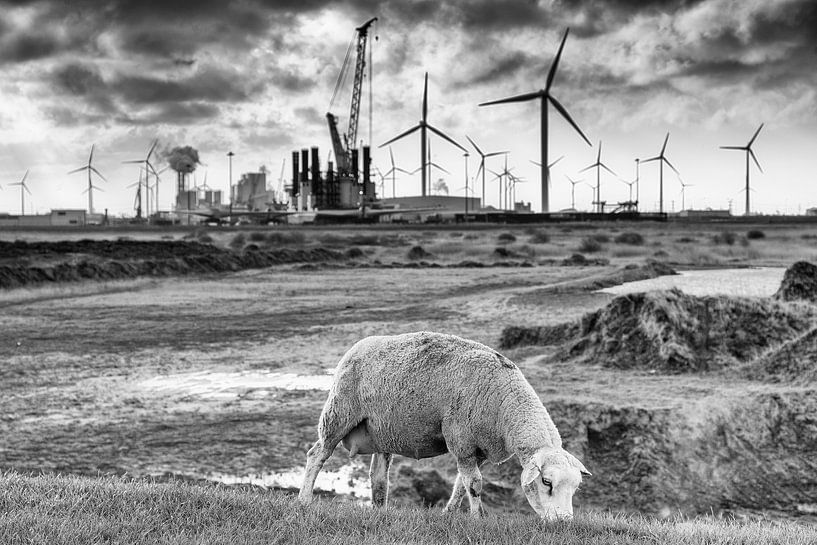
(79, 80)
(175, 114)
(289, 79)
(22, 47)
(509, 64)
(210, 85)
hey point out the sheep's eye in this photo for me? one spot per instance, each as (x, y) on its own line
(547, 482)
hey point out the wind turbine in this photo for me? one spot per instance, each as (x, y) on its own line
(430, 164)
(550, 166)
(23, 190)
(661, 160)
(481, 168)
(573, 190)
(544, 96)
(598, 165)
(683, 188)
(393, 172)
(423, 126)
(748, 149)
(148, 169)
(506, 173)
(91, 169)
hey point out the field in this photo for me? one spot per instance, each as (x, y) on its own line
(217, 376)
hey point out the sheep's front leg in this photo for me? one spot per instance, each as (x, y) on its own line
(315, 458)
(379, 477)
(472, 484)
(456, 495)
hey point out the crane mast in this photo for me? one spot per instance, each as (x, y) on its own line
(343, 150)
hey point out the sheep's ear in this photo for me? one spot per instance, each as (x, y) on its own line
(530, 473)
(577, 464)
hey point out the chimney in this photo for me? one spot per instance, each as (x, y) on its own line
(304, 165)
(295, 172)
(366, 164)
(316, 174)
(354, 165)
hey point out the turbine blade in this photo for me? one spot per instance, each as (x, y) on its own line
(23, 180)
(752, 154)
(475, 146)
(551, 165)
(91, 157)
(492, 154)
(425, 98)
(438, 167)
(398, 169)
(150, 151)
(561, 109)
(401, 135)
(133, 162)
(587, 168)
(555, 64)
(650, 159)
(98, 174)
(391, 156)
(670, 165)
(480, 169)
(755, 136)
(80, 169)
(443, 135)
(602, 165)
(518, 98)
(734, 147)
(538, 164)
(664, 147)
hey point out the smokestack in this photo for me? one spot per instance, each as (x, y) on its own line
(295, 172)
(366, 164)
(355, 164)
(304, 165)
(316, 173)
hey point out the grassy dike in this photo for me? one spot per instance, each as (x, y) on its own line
(57, 509)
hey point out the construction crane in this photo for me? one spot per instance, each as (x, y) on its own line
(343, 148)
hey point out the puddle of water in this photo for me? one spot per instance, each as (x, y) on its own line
(216, 384)
(755, 282)
(339, 482)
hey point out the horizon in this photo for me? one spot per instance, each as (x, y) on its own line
(256, 78)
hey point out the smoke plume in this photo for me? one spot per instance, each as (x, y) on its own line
(439, 187)
(183, 159)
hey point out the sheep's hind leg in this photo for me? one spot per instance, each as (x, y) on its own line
(379, 476)
(472, 484)
(456, 495)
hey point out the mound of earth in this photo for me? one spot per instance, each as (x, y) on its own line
(23, 263)
(672, 332)
(793, 361)
(799, 283)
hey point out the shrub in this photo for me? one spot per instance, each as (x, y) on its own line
(354, 252)
(687, 240)
(238, 241)
(205, 239)
(539, 237)
(634, 239)
(590, 245)
(506, 237)
(755, 234)
(600, 237)
(725, 237)
(285, 237)
(417, 252)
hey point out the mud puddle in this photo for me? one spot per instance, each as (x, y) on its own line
(229, 385)
(754, 282)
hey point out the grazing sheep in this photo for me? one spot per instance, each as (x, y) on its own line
(424, 394)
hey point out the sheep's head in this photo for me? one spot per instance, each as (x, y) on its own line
(550, 478)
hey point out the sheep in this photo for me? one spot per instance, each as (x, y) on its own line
(423, 394)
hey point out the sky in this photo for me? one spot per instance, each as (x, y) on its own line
(256, 77)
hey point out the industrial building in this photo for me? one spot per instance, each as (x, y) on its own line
(58, 217)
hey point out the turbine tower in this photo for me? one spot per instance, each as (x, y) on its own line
(91, 169)
(661, 160)
(573, 191)
(544, 97)
(481, 168)
(23, 190)
(148, 169)
(423, 126)
(393, 173)
(598, 165)
(748, 149)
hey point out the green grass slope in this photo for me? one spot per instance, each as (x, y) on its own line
(59, 509)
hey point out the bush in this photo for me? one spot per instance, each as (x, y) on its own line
(634, 239)
(506, 237)
(687, 240)
(257, 236)
(600, 237)
(417, 252)
(238, 241)
(590, 245)
(281, 238)
(539, 237)
(755, 234)
(725, 237)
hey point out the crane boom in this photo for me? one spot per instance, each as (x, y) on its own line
(360, 65)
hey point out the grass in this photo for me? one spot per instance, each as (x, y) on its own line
(59, 509)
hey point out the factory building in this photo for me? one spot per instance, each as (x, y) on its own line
(57, 217)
